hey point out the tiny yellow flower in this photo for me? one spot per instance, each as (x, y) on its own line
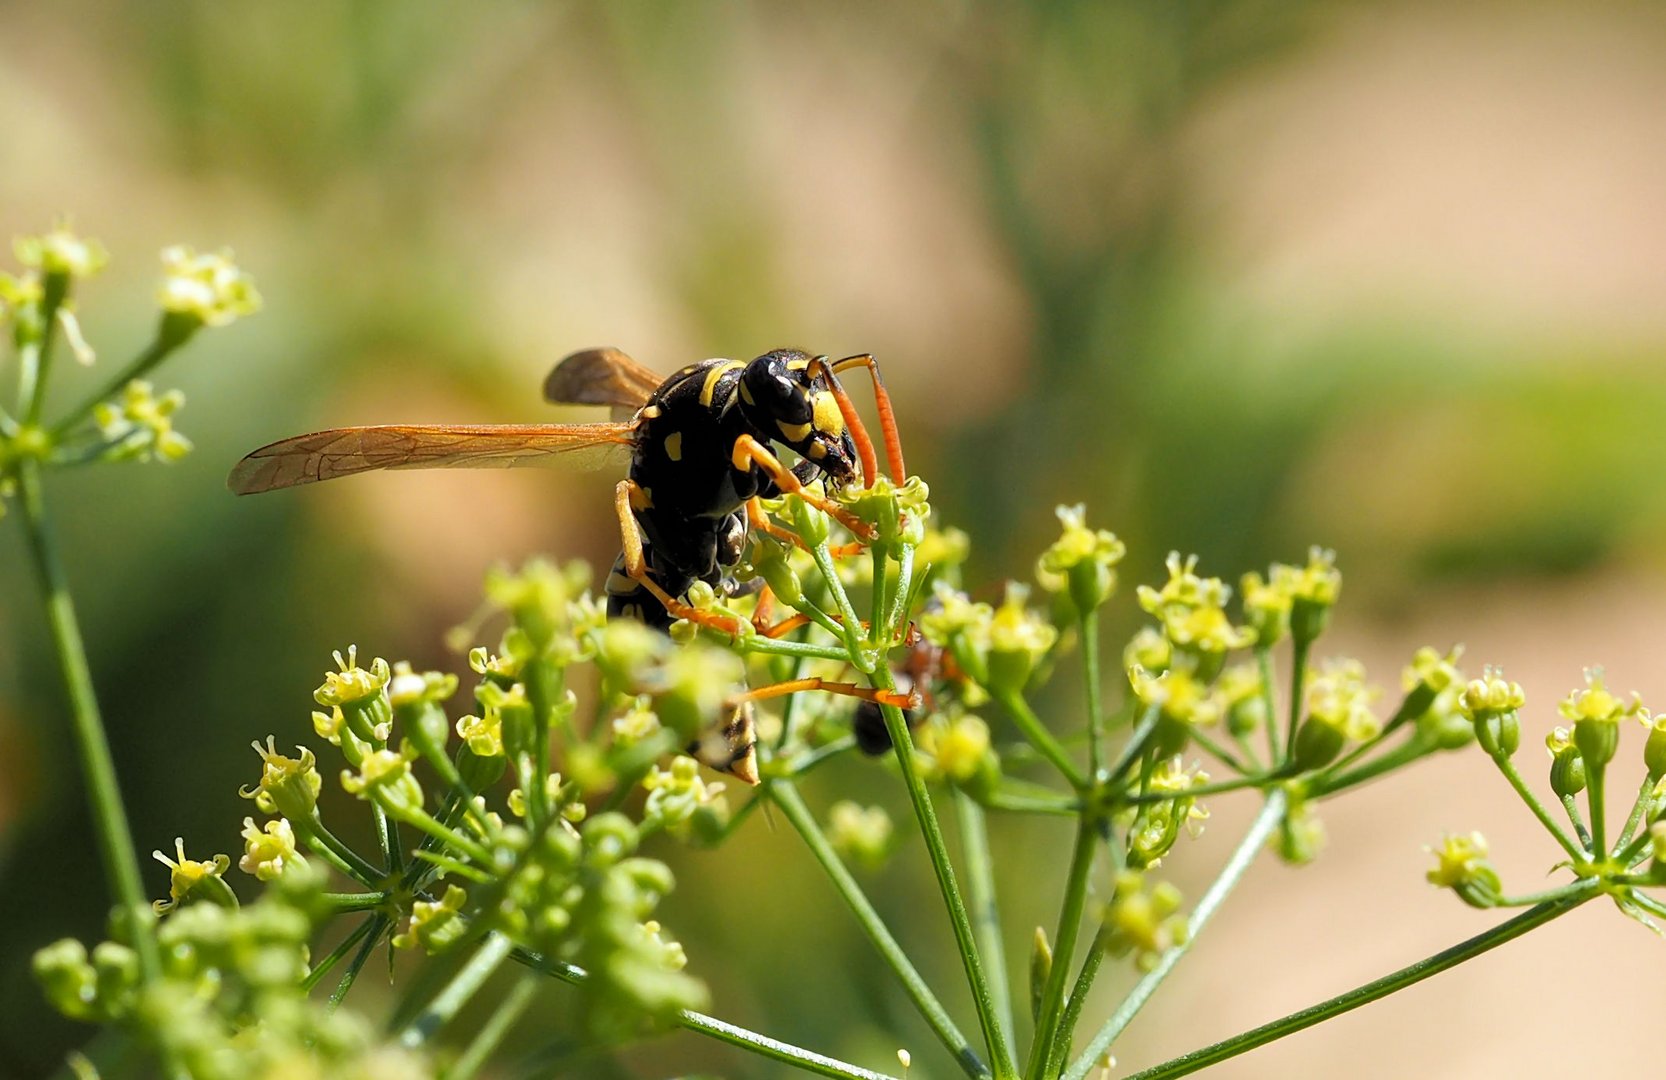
(288, 786)
(187, 876)
(385, 776)
(434, 924)
(1141, 921)
(961, 747)
(267, 853)
(1081, 562)
(352, 683)
(61, 252)
(861, 834)
(207, 289)
(1461, 865)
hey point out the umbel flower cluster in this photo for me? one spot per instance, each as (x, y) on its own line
(521, 812)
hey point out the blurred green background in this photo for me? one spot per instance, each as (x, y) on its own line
(1243, 275)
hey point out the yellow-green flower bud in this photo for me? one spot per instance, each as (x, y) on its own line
(769, 559)
(1657, 851)
(435, 924)
(962, 627)
(1654, 748)
(809, 522)
(1081, 562)
(288, 786)
(539, 598)
(1267, 607)
(1596, 714)
(1141, 921)
(1245, 699)
(1148, 650)
(266, 854)
(675, 793)
(1461, 865)
(1301, 835)
(1314, 590)
(1041, 969)
(1019, 639)
(360, 693)
(191, 879)
(203, 290)
(61, 253)
(386, 777)
(863, 835)
(1567, 766)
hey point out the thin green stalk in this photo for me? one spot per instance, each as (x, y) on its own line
(1264, 660)
(803, 763)
(115, 838)
(793, 808)
(152, 355)
(1534, 917)
(338, 853)
(1572, 808)
(508, 1012)
(1298, 672)
(902, 745)
(808, 650)
(1638, 808)
(1388, 762)
(493, 951)
(1096, 705)
(1036, 732)
(722, 1030)
(851, 626)
(1018, 802)
(1136, 742)
(1221, 753)
(322, 968)
(378, 926)
(1596, 790)
(1235, 784)
(1513, 775)
(36, 356)
(1064, 948)
(1648, 904)
(980, 885)
(1091, 964)
(341, 903)
(1242, 856)
(425, 821)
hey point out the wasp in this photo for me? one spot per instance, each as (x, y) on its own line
(699, 447)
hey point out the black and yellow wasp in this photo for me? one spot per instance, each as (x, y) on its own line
(698, 446)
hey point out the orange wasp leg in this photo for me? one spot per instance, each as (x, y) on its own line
(887, 415)
(749, 451)
(765, 609)
(636, 566)
(910, 700)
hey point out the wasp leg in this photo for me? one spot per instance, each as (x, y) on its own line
(636, 565)
(820, 368)
(749, 451)
(887, 416)
(765, 609)
(909, 700)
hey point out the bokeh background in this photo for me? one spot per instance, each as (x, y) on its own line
(1243, 275)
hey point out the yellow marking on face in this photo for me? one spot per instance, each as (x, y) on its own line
(674, 446)
(746, 393)
(829, 420)
(716, 373)
(818, 451)
(642, 499)
(793, 432)
(797, 365)
(651, 411)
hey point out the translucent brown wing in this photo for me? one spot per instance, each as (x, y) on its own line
(325, 455)
(600, 377)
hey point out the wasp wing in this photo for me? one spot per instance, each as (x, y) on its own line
(325, 455)
(601, 377)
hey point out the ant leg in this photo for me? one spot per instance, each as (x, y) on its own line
(749, 451)
(910, 700)
(887, 416)
(627, 494)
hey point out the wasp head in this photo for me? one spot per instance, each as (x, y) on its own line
(788, 395)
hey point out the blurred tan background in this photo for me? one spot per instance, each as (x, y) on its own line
(1243, 275)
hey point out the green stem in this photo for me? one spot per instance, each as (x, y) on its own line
(378, 925)
(793, 808)
(1264, 660)
(1597, 792)
(322, 968)
(1534, 917)
(1242, 856)
(1298, 672)
(425, 821)
(1638, 808)
(1064, 948)
(1096, 705)
(1136, 742)
(1078, 998)
(509, 1011)
(341, 903)
(1388, 762)
(1039, 737)
(339, 854)
(806, 649)
(722, 1030)
(1572, 808)
(1221, 753)
(1019, 802)
(152, 355)
(902, 745)
(1513, 775)
(803, 763)
(980, 885)
(36, 357)
(1235, 784)
(493, 951)
(852, 626)
(115, 838)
